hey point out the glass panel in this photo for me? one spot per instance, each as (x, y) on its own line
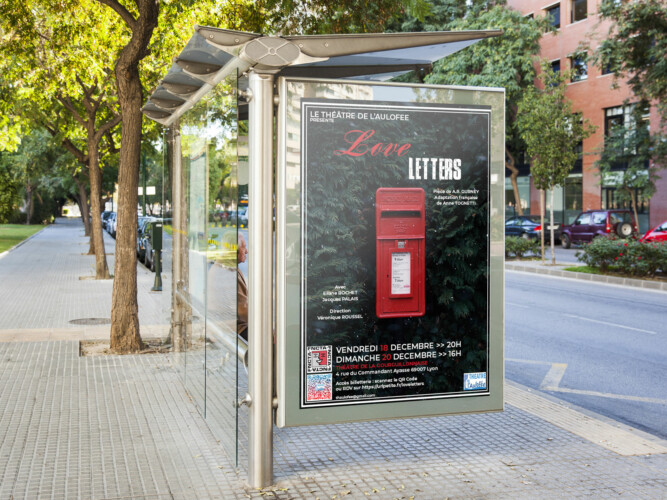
(579, 67)
(573, 198)
(206, 297)
(554, 16)
(221, 264)
(523, 183)
(195, 171)
(579, 10)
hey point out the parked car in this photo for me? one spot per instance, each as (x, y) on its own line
(243, 216)
(528, 226)
(594, 223)
(658, 233)
(523, 226)
(105, 218)
(142, 222)
(111, 224)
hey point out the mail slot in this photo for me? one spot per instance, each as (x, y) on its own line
(400, 231)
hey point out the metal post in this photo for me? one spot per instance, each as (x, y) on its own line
(143, 200)
(181, 312)
(260, 280)
(157, 283)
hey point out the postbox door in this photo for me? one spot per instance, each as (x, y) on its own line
(401, 279)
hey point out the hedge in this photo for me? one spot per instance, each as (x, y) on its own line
(628, 256)
(521, 247)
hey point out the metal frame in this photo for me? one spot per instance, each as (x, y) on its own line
(288, 412)
(260, 279)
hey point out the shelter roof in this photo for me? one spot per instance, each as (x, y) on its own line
(213, 53)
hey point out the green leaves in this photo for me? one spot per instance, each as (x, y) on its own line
(550, 129)
(630, 159)
(635, 46)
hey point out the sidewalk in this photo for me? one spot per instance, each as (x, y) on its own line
(123, 426)
(47, 290)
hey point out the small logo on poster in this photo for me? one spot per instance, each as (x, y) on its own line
(319, 359)
(319, 387)
(474, 381)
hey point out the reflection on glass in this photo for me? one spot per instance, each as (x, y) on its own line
(208, 257)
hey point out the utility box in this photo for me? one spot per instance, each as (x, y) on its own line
(156, 237)
(400, 237)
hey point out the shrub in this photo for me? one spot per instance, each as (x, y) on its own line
(625, 256)
(521, 247)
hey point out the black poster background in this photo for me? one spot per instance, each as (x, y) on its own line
(339, 250)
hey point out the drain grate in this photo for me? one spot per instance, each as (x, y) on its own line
(91, 321)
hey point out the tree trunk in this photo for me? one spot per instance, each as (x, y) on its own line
(101, 267)
(30, 203)
(125, 336)
(82, 201)
(542, 203)
(511, 166)
(551, 231)
(633, 199)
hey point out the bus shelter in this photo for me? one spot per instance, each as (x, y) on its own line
(336, 237)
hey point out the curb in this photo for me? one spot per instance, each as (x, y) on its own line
(610, 280)
(22, 242)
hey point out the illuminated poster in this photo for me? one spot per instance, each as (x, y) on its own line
(395, 252)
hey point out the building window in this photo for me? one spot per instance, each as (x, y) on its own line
(623, 116)
(579, 10)
(555, 66)
(611, 200)
(573, 197)
(579, 67)
(553, 13)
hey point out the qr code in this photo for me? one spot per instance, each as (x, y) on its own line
(319, 387)
(319, 359)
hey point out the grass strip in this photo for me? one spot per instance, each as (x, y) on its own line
(583, 269)
(13, 234)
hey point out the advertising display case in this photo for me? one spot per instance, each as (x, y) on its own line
(389, 250)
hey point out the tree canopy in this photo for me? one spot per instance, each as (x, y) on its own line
(506, 61)
(635, 46)
(625, 160)
(551, 131)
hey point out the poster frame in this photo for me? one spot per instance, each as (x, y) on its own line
(288, 350)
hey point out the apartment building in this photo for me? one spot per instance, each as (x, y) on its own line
(599, 98)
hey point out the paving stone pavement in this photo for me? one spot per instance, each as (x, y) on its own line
(111, 427)
(46, 283)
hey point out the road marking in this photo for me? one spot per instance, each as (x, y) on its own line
(553, 376)
(516, 305)
(528, 361)
(606, 395)
(551, 382)
(611, 324)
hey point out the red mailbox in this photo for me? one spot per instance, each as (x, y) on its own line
(400, 230)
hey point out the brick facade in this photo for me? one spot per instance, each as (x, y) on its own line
(590, 96)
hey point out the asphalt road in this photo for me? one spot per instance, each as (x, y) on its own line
(563, 256)
(601, 347)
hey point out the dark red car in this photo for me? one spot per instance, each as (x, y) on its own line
(594, 223)
(656, 234)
